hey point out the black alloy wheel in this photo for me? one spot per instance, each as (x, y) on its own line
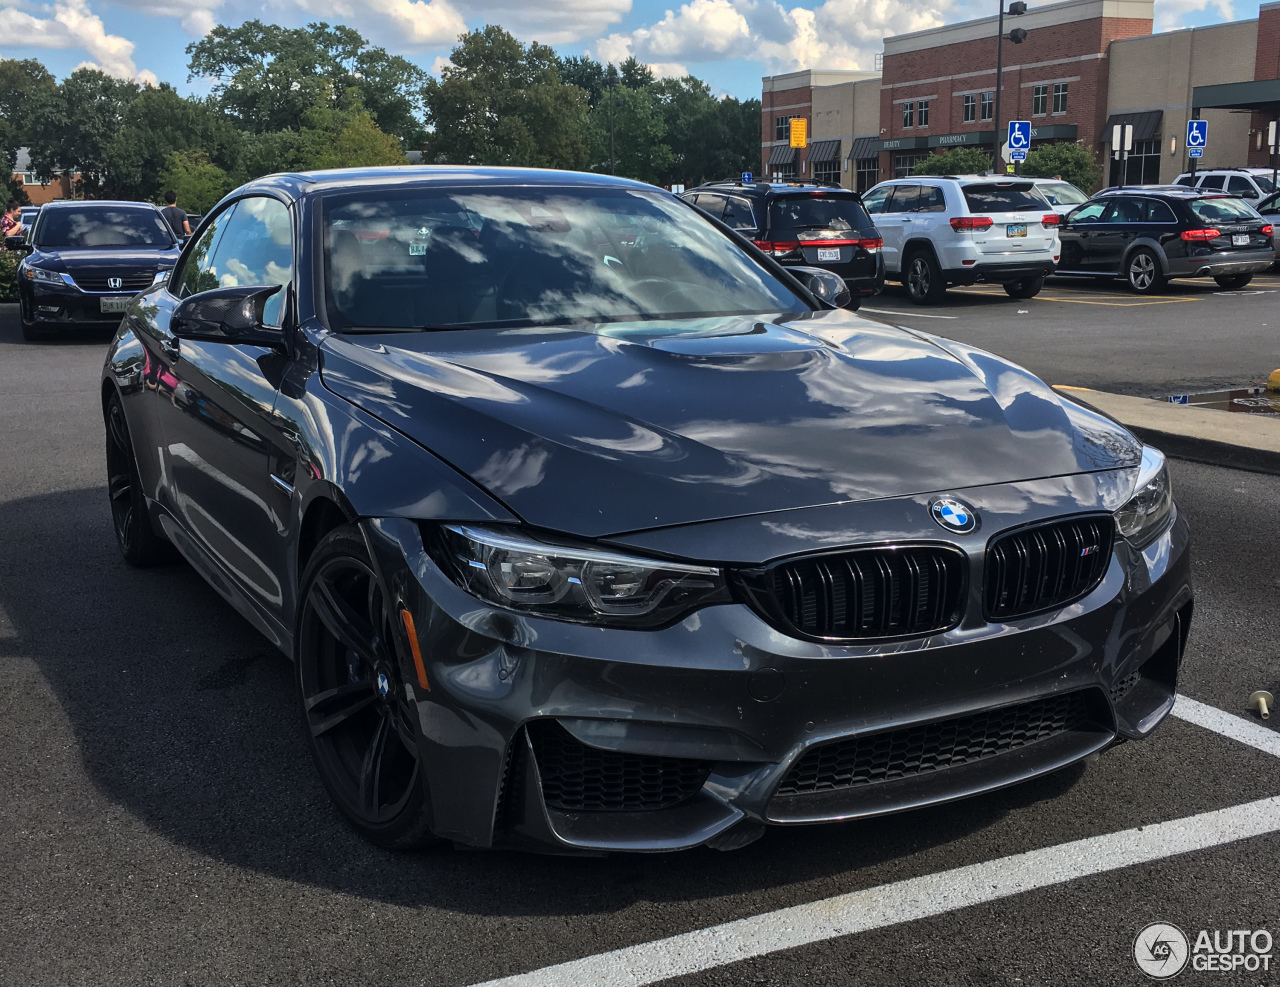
(924, 279)
(1143, 273)
(139, 544)
(1026, 288)
(360, 716)
(1233, 282)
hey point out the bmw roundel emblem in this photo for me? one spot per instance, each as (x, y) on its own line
(384, 684)
(954, 515)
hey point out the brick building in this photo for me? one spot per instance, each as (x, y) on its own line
(1085, 66)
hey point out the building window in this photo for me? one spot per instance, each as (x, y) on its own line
(988, 101)
(922, 113)
(970, 108)
(1143, 166)
(908, 115)
(1039, 100)
(868, 173)
(827, 171)
(29, 178)
(785, 172)
(1059, 97)
(903, 163)
(782, 128)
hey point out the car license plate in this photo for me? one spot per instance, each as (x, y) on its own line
(114, 304)
(1016, 229)
(1240, 239)
(828, 253)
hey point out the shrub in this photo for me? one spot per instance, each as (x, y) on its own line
(954, 161)
(1072, 162)
(9, 275)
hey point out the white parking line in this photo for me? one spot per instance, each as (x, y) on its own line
(930, 894)
(906, 314)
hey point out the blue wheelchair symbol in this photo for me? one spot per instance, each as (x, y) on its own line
(746, 178)
(1197, 133)
(1019, 135)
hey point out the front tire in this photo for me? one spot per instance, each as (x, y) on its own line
(361, 723)
(1233, 282)
(139, 544)
(923, 279)
(1026, 288)
(1143, 272)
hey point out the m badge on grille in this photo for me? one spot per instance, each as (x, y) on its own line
(115, 282)
(954, 515)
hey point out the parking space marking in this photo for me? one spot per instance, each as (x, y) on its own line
(894, 311)
(930, 894)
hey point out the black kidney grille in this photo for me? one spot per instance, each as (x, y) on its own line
(870, 593)
(1046, 566)
(576, 777)
(132, 283)
(880, 757)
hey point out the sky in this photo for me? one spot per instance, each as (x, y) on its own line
(728, 43)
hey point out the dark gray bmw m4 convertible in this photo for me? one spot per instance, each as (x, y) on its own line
(589, 527)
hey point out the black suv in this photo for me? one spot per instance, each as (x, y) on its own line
(802, 224)
(1149, 235)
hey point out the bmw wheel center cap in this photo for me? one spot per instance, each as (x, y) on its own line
(954, 515)
(384, 684)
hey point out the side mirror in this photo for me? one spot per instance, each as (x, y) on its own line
(829, 288)
(18, 242)
(226, 315)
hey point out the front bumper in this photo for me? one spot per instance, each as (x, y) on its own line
(66, 305)
(725, 691)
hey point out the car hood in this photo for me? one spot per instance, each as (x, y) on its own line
(114, 259)
(623, 427)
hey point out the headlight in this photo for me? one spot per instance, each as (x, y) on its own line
(52, 277)
(1147, 513)
(576, 583)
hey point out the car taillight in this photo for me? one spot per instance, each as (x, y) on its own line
(1194, 235)
(778, 246)
(972, 222)
(1050, 219)
(1267, 230)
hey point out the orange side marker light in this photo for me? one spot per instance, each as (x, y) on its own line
(412, 631)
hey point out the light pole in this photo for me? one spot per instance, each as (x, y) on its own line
(1017, 36)
(610, 81)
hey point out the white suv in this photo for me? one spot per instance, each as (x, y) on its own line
(958, 231)
(1250, 184)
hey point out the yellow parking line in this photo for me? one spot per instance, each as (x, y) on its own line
(1128, 303)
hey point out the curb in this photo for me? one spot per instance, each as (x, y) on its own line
(1199, 435)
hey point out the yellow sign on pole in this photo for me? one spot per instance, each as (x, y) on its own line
(799, 132)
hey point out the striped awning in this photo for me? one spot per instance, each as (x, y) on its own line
(1146, 125)
(820, 151)
(783, 154)
(866, 146)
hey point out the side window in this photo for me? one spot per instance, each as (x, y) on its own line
(931, 199)
(1159, 212)
(905, 199)
(194, 275)
(1090, 212)
(737, 214)
(1213, 181)
(1242, 185)
(875, 200)
(257, 248)
(712, 205)
(1125, 211)
(1187, 181)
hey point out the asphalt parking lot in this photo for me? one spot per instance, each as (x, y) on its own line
(162, 822)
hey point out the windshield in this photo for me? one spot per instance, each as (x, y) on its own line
(529, 256)
(102, 226)
(1223, 209)
(818, 212)
(1264, 183)
(1003, 197)
(1062, 194)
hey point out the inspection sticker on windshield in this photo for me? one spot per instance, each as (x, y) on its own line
(1240, 240)
(1016, 229)
(114, 304)
(828, 253)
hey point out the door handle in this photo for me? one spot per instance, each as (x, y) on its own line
(170, 348)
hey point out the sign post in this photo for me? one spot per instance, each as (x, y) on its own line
(1019, 139)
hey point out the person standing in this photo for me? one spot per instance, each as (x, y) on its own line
(175, 217)
(11, 224)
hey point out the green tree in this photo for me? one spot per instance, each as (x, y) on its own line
(1072, 162)
(954, 161)
(21, 81)
(72, 126)
(198, 182)
(639, 132)
(585, 73)
(503, 103)
(360, 144)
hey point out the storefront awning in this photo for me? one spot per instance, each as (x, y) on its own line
(783, 154)
(821, 151)
(1146, 125)
(867, 146)
(1261, 94)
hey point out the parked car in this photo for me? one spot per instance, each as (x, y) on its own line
(29, 214)
(1250, 184)
(962, 230)
(85, 260)
(1062, 196)
(589, 527)
(1148, 236)
(801, 223)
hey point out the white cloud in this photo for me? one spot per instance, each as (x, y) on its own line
(838, 34)
(400, 25)
(72, 25)
(554, 23)
(1172, 14)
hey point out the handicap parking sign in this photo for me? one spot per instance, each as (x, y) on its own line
(1197, 136)
(746, 178)
(1019, 139)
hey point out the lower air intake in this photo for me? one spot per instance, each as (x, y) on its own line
(578, 778)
